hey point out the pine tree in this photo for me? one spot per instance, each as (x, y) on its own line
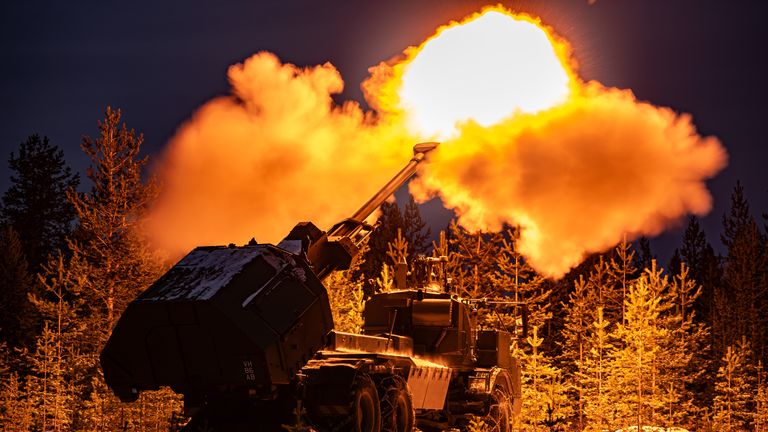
(60, 303)
(744, 277)
(760, 419)
(694, 249)
(738, 216)
(108, 246)
(35, 204)
(52, 394)
(16, 312)
(347, 296)
(387, 225)
(107, 236)
(644, 256)
(575, 345)
(397, 254)
(450, 272)
(397, 249)
(733, 389)
(477, 256)
(595, 372)
(83, 292)
(61, 307)
(635, 378)
(745, 282)
(722, 323)
(765, 225)
(514, 278)
(347, 299)
(597, 297)
(16, 409)
(674, 263)
(415, 229)
(688, 357)
(102, 411)
(622, 270)
(391, 220)
(108, 264)
(704, 266)
(386, 281)
(602, 281)
(153, 411)
(544, 393)
(654, 365)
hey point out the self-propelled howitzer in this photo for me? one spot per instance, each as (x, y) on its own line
(246, 334)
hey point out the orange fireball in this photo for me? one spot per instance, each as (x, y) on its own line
(485, 68)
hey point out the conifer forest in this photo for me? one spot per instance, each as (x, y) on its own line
(622, 340)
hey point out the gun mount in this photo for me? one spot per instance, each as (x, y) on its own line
(334, 250)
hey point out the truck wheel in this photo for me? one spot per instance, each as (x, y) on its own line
(500, 412)
(397, 413)
(366, 411)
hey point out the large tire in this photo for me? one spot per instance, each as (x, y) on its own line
(397, 414)
(365, 409)
(500, 411)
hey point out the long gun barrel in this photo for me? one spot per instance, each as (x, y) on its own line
(419, 153)
(335, 249)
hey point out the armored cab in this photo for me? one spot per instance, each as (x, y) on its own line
(223, 319)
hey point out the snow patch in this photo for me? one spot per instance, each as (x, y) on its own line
(203, 272)
(292, 246)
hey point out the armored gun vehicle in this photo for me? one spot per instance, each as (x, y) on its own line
(246, 335)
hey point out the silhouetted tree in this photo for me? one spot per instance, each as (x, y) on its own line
(694, 248)
(389, 222)
(16, 312)
(744, 287)
(765, 224)
(644, 255)
(36, 202)
(738, 216)
(674, 263)
(703, 265)
(415, 229)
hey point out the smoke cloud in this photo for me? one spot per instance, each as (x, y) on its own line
(578, 177)
(276, 152)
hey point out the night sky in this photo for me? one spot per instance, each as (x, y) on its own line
(63, 62)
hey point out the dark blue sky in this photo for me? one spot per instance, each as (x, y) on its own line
(63, 62)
